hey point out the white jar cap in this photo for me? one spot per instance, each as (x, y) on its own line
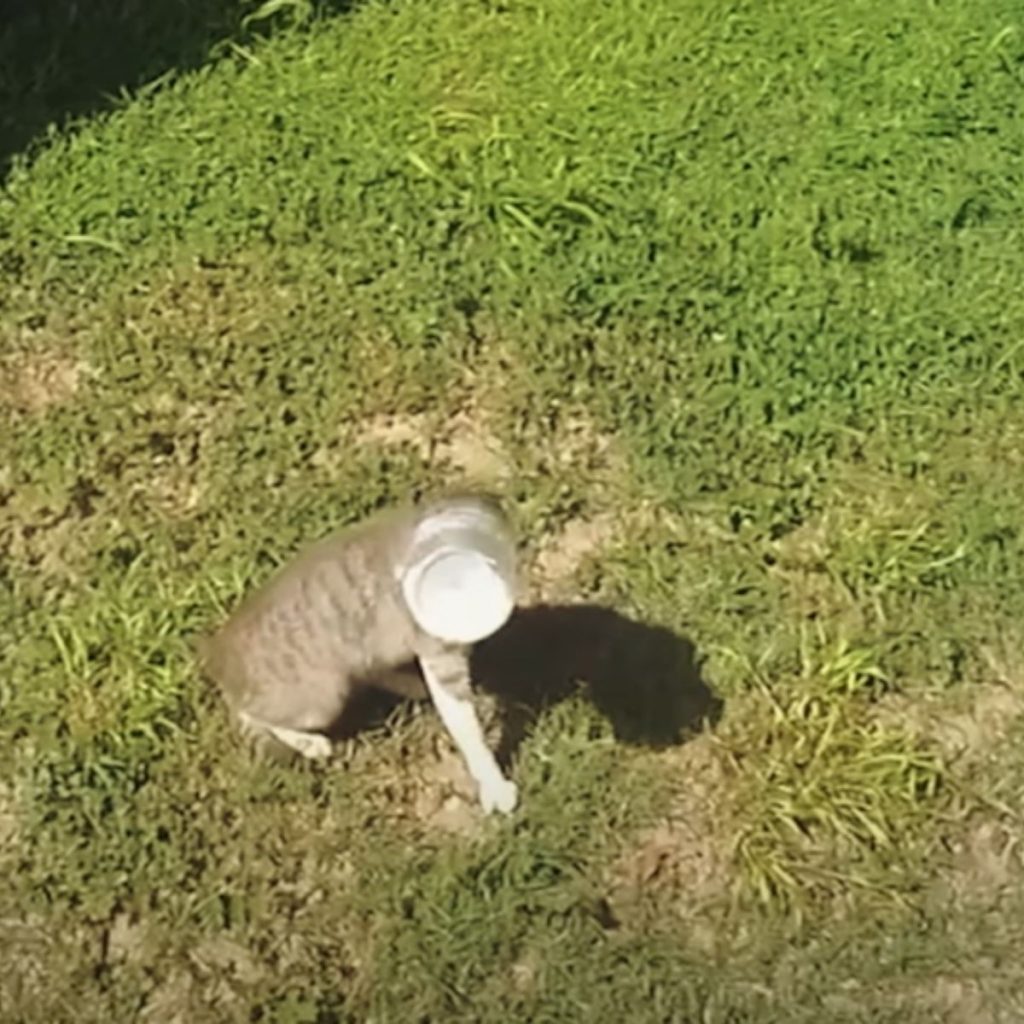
(458, 577)
(458, 596)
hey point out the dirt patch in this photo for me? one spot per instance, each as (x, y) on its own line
(10, 828)
(468, 442)
(679, 864)
(220, 957)
(526, 971)
(26, 948)
(567, 443)
(463, 443)
(968, 731)
(973, 731)
(172, 1001)
(471, 448)
(952, 1000)
(398, 430)
(414, 773)
(49, 542)
(560, 555)
(971, 723)
(219, 304)
(445, 797)
(34, 379)
(801, 564)
(177, 493)
(126, 941)
(988, 862)
(38, 963)
(172, 479)
(945, 999)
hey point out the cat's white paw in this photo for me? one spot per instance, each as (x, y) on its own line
(500, 795)
(314, 746)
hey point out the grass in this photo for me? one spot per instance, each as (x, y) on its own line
(729, 296)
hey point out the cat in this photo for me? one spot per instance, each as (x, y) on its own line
(415, 584)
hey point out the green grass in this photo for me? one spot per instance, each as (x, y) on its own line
(770, 255)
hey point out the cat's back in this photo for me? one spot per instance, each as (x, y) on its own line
(321, 614)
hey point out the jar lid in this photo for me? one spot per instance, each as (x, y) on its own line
(458, 595)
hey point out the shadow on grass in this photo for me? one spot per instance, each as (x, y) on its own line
(645, 679)
(61, 59)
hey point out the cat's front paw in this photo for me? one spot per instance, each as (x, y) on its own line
(313, 747)
(500, 795)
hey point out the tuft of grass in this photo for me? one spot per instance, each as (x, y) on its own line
(822, 791)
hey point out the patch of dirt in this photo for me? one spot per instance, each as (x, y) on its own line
(214, 984)
(172, 1001)
(988, 862)
(220, 303)
(801, 563)
(952, 1000)
(10, 828)
(396, 430)
(26, 947)
(560, 555)
(126, 940)
(445, 797)
(38, 964)
(582, 446)
(220, 957)
(46, 541)
(969, 725)
(681, 863)
(968, 730)
(470, 447)
(38, 377)
(176, 494)
(171, 481)
(525, 971)
(463, 442)
(973, 729)
(417, 776)
(946, 999)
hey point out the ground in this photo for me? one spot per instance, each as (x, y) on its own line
(723, 303)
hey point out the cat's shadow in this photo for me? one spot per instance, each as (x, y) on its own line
(645, 679)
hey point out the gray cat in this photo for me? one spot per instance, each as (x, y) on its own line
(419, 584)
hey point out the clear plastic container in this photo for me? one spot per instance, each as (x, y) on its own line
(459, 577)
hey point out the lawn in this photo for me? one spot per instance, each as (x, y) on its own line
(724, 299)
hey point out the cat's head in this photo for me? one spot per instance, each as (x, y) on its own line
(458, 575)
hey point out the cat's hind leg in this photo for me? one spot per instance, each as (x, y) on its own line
(312, 745)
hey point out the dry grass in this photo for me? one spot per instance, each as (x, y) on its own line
(39, 371)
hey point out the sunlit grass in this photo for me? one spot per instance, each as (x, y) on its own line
(765, 260)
